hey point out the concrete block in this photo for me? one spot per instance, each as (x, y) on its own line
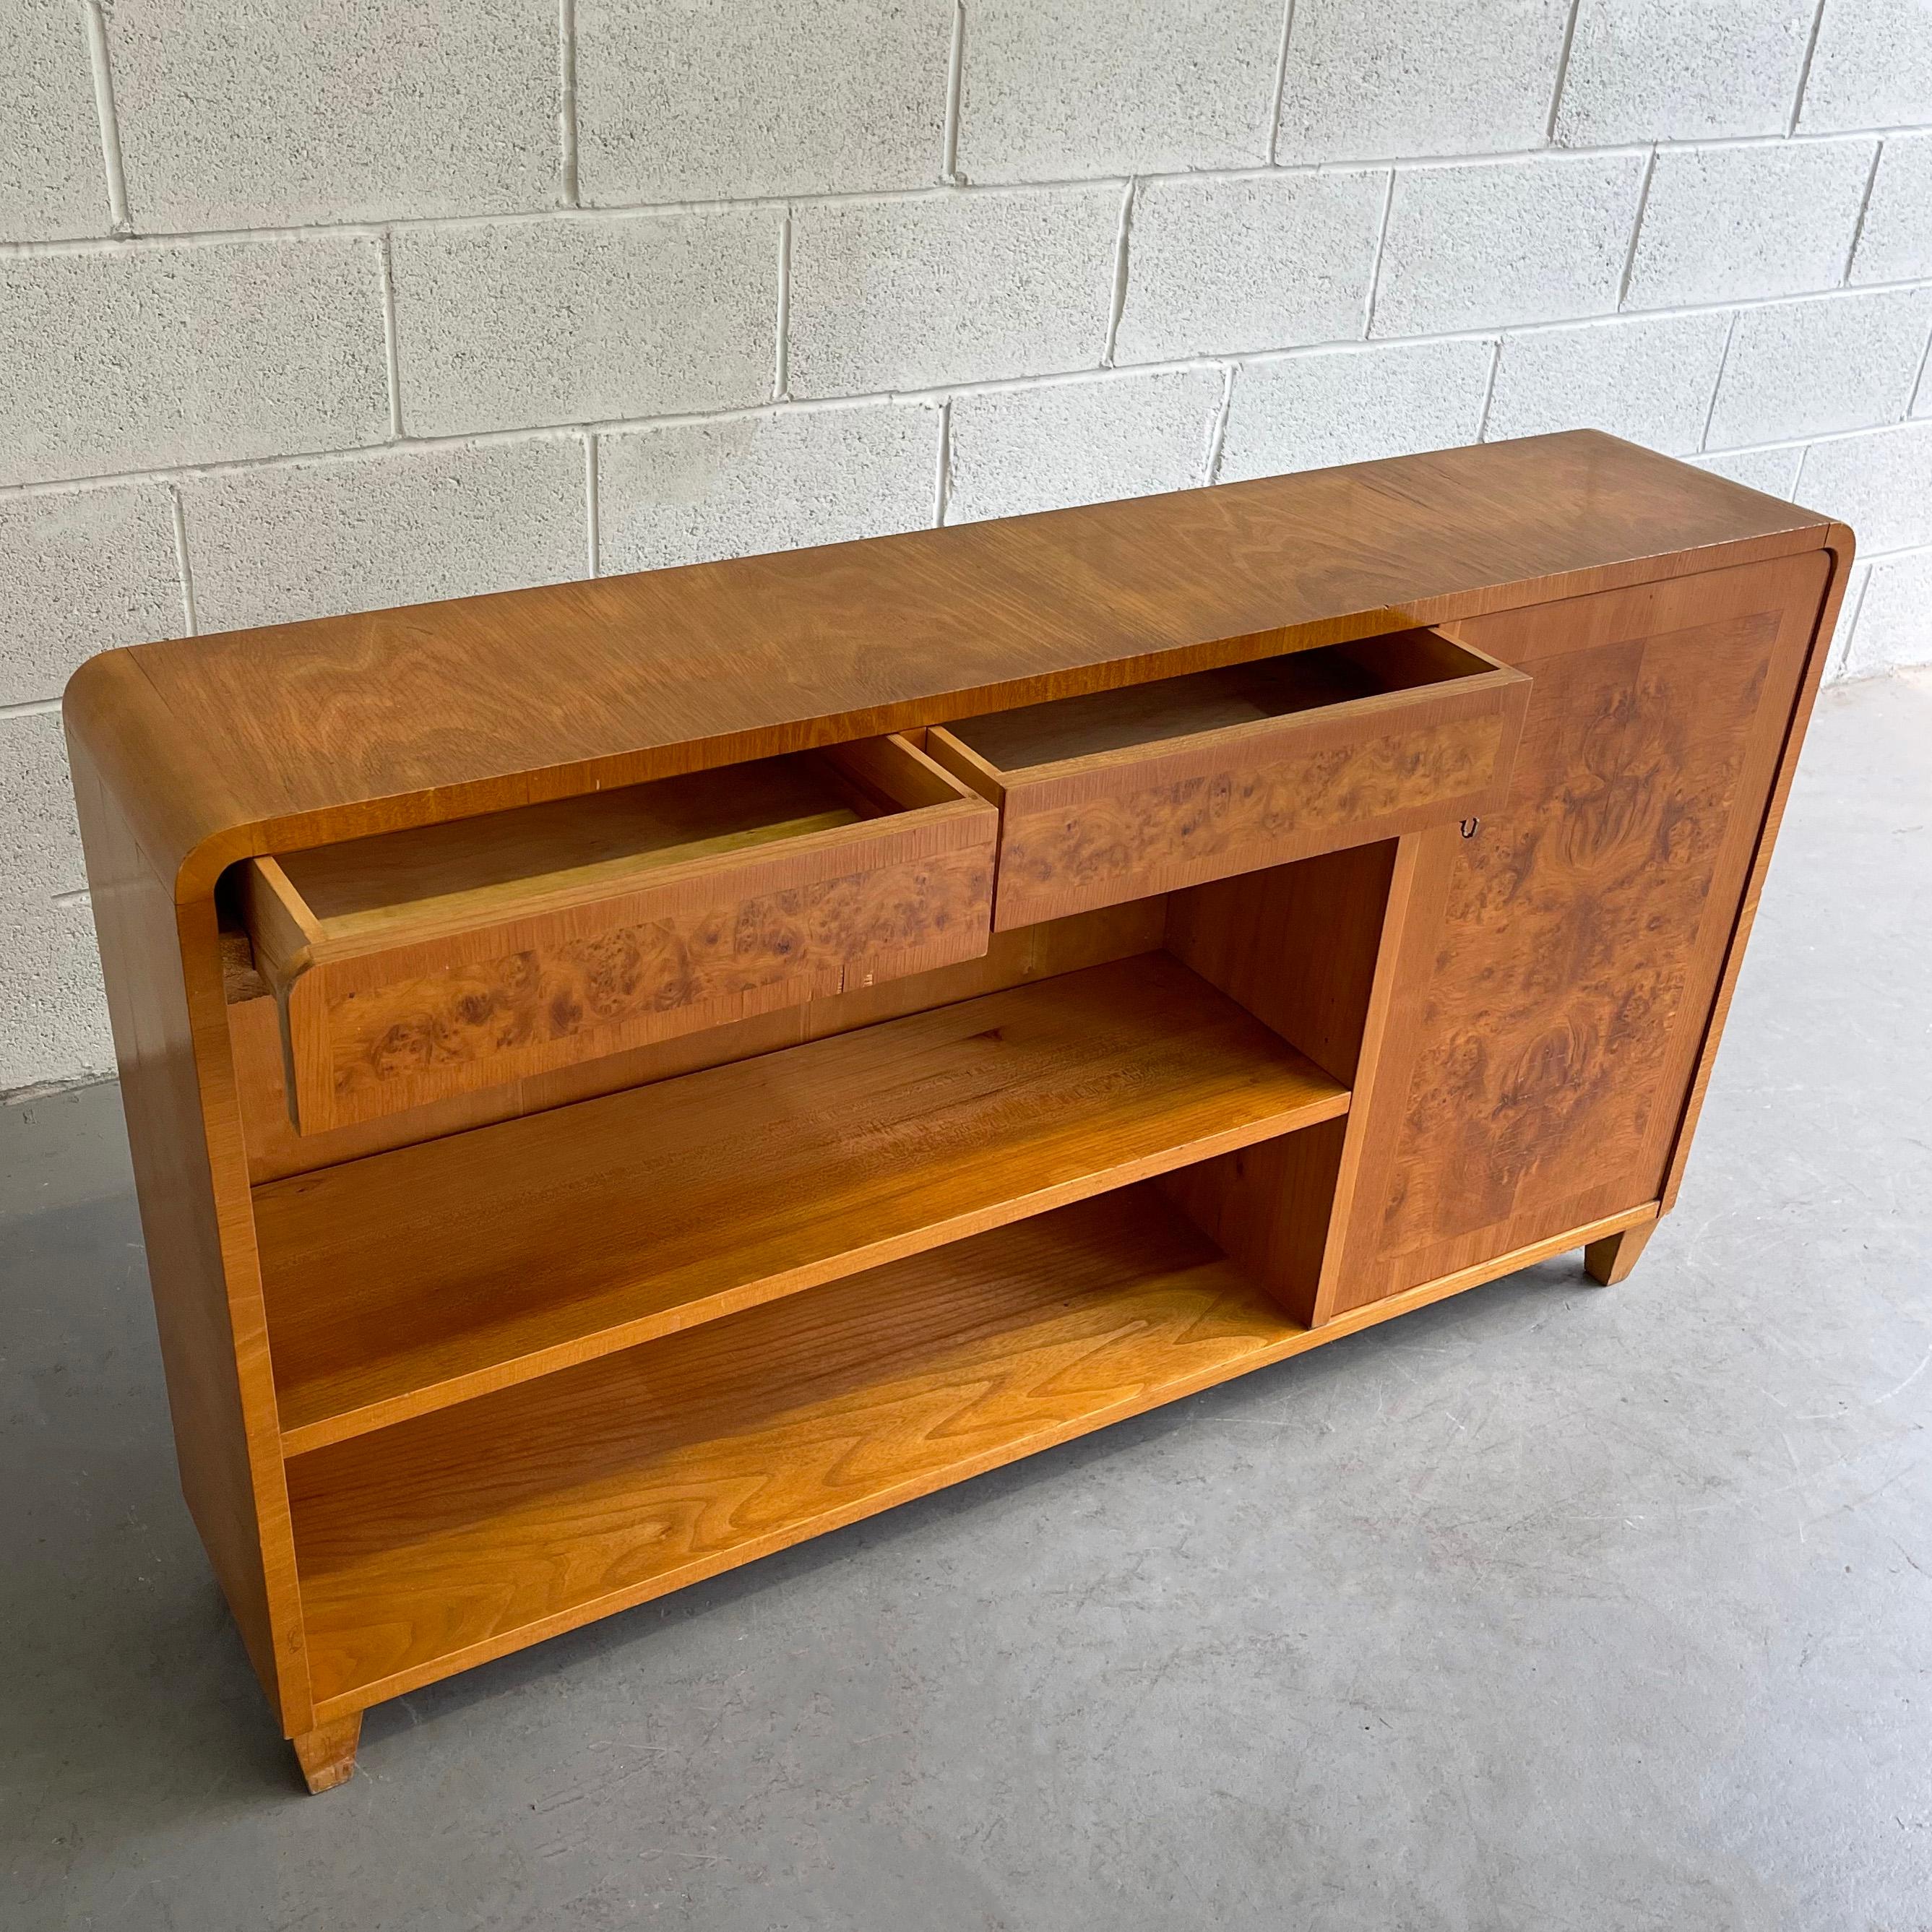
(1681, 70)
(1893, 630)
(1895, 240)
(584, 318)
(689, 492)
(1506, 241)
(1375, 79)
(40, 837)
(1872, 67)
(1721, 224)
(1354, 406)
(52, 1015)
(698, 103)
(1649, 380)
(909, 295)
(84, 571)
(53, 181)
(1020, 450)
(1773, 471)
(285, 541)
(53, 1008)
(1880, 483)
(1802, 368)
(136, 357)
(1216, 267)
(282, 112)
(1054, 89)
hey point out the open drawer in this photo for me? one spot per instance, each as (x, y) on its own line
(415, 965)
(1119, 794)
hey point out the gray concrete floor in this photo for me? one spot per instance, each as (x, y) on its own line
(1549, 1606)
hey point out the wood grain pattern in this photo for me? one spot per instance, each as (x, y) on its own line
(698, 956)
(474, 871)
(1542, 1002)
(424, 1554)
(280, 929)
(1302, 947)
(1061, 853)
(416, 1278)
(327, 1754)
(1491, 1267)
(1165, 786)
(1315, 949)
(1131, 718)
(1610, 1260)
(1839, 548)
(1551, 1029)
(429, 962)
(276, 1149)
(547, 693)
(162, 964)
(452, 1538)
(1296, 945)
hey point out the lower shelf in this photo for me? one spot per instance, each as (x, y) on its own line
(455, 1537)
(436, 1273)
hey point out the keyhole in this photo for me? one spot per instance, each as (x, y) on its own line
(1471, 827)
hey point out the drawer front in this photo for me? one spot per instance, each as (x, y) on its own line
(1094, 832)
(371, 1030)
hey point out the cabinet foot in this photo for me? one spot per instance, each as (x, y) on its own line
(328, 1753)
(1610, 1260)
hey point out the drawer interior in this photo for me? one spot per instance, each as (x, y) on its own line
(411, 965)
(1213, 700)
(474, 868)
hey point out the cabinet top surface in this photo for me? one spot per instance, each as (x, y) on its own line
(218, 746)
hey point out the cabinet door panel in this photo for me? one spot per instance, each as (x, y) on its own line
(1546, 1032)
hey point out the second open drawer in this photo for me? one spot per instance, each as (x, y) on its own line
(415, 965)
(1119, 794)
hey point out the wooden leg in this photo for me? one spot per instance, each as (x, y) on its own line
(328, 1753)
(1610, 1260)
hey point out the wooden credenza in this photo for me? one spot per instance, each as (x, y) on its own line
(626, 1076)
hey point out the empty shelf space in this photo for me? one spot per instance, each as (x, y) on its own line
(460, 1536)
(412, 1279)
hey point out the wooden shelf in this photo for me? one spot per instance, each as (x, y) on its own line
(458, 1536)
(415, 1279)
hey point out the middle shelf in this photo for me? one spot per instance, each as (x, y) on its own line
(411, 1279)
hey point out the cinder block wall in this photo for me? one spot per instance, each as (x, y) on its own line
(312, 308)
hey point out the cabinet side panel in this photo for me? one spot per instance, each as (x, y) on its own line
(1296, 945)
(204, 1342)
(1840, 548)
(1553, 1035)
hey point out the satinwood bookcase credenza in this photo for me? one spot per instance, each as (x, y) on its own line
(626, 1076)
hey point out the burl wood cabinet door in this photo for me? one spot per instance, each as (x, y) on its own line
(1548, 1024)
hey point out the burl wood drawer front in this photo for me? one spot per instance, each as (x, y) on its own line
(1123, 793)
(416, 964)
